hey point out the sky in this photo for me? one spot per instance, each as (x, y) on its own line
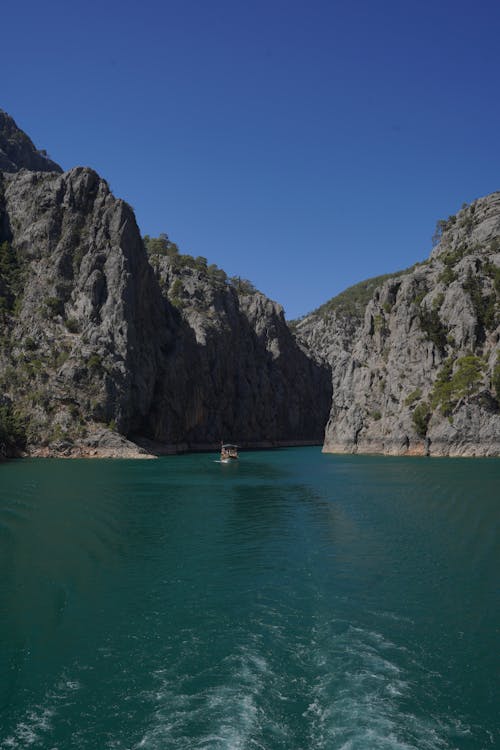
(302, 145)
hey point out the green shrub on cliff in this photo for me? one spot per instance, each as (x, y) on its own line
(495, 378)
(421, 417)
(54, 306)
(160, 245)
(94, 363)
(413, 397)
(242, 286)
(454, 383)
(442, 226)
(12, 430)
(431, 324)
(217, 274)
(468, 375)
(484, 305)
(447, 276)
(10, 277)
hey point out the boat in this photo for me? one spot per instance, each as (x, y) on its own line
(228, 453)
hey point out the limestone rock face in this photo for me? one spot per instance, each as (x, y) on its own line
(18, 152)
(86, 322)
(253, 382)
(97, 346)
(418, 372)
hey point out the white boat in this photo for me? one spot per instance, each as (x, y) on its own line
(228, 453)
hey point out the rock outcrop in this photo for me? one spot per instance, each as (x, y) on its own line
(416, 368)
(97, 346)
(18, 152)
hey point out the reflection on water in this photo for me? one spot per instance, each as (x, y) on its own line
(290, 601)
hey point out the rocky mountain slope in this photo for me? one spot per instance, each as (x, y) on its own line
(17, 150)
(415, 361)
(97, 347)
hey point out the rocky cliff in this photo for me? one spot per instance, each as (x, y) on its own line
(96, 346)
(253, 383)
(17, 150)
(82, 321)
(109, 342)
(415, 361)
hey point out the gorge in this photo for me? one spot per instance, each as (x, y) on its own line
(115, 345)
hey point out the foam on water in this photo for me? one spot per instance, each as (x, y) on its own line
(359, 697)
(349, 691)
(227, 711)
(350, 688)
(35, 727)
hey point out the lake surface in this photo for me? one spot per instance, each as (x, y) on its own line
(296, 601)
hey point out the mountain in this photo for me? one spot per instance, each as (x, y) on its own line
(415, 356)
(102, 354)
(18, 152)
(114, 344)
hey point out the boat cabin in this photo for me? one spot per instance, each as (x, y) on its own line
(228, 452)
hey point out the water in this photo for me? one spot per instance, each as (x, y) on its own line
(292, 602)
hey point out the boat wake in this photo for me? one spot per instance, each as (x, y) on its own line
(344, 688)
(332, 685)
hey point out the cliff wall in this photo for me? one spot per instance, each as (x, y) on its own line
(254, 384)
(113, 346)
(416, 370)
(95, 349)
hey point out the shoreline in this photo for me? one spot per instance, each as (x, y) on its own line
(144, 449)
(469, 450)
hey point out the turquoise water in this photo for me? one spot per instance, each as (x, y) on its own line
(293, 601)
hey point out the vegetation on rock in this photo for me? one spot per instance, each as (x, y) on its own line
(10, 277)
(12, 430)
(457, 380)
(421, 416)
(431, 324)
(495, 378)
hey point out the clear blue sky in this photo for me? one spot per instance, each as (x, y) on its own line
(302, 145)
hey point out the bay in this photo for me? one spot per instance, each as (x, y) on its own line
(292, 601)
